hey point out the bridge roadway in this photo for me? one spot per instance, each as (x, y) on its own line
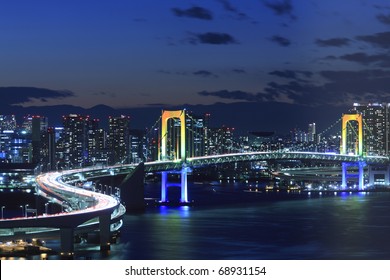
(262, 156)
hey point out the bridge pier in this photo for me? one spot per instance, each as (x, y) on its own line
(67, 243)
(104, 232)
(165, 184)
(183, 178)
(359, 175)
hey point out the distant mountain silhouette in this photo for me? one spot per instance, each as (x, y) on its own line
(244, 116)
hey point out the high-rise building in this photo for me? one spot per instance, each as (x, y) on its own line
(195, 135)
(152, 143)
(375, 127)
(221, 141)
(138, 148)
(38, 129)
(92, 131)
(27, 123)
(311, 132)
(118, 139)
(8, 122)
(100, 154)
(48, 151)
(75, 140)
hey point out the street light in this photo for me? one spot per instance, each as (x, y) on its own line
(25, 210)
(2, 212)
(21, 206)
(46, 207)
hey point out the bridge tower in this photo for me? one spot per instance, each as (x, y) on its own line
(345, 120)
(359, 150)
(179, 155)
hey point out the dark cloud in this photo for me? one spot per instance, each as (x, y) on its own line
(239, 71)
(19, 95)
(194, 12)
(284, 74)
(230, 8)
(349, 76)
(341, 88)
(282, 41)
(226, 94)
(381, 39)
(109, 94)
(384, 18)
(289, 74)
(382, 60)
(281, 8)
(334, 42)
(204, 73)
(213, 38)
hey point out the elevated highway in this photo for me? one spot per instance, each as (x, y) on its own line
(98, 211)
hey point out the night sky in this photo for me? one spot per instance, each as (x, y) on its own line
(144, 53)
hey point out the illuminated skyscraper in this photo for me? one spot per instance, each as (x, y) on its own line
(311, 132)
(7, 122)
(221, 141)
(138, 149)
(39, 126)
(118, 139)
(92, 130)
(195, 135)
(75, 140)
(375, 127)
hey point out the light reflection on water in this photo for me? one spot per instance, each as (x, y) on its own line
(351, 226)
(267, 225)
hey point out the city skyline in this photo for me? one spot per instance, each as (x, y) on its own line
(264, 54)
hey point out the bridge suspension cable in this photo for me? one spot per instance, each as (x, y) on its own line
(330, 127)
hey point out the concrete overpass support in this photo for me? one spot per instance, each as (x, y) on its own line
(132, 189)
(104, 231)
(67, 242)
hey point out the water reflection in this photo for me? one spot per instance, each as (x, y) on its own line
(233, 225)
